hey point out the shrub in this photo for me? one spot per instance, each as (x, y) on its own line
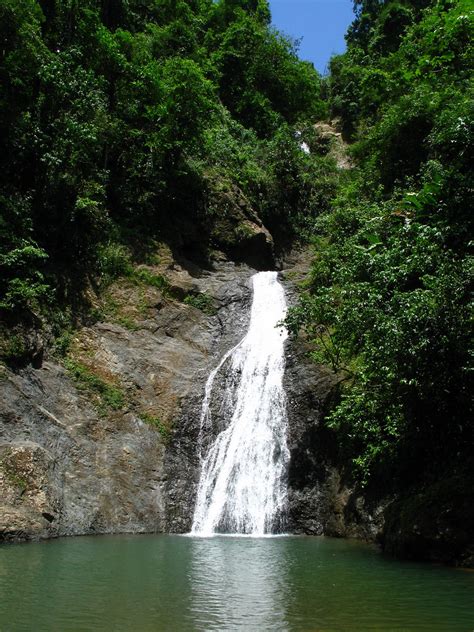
(107, 397)
(155, 422)
(201, 301)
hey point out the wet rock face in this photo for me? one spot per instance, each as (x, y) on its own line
(182, 463)
(312, 481)
(319, 500)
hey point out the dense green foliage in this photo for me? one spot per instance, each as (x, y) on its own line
(119, 119)
(388, 305)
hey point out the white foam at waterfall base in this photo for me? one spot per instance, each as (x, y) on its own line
(242, 486)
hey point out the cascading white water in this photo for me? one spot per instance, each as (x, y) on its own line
(242, 487)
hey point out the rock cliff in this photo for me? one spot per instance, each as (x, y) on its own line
(103, 440)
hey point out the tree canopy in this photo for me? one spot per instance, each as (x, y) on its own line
(112, 115)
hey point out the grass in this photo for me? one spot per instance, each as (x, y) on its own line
(127, 323)
(63, 343)
(149, 278)
(201, 301)
(107, 397)
(113, 312)
(13, 477)
(12, 348)
(157, 423)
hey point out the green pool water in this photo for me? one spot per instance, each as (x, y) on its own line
(145, 583)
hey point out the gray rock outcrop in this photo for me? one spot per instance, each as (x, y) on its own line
(69, 467)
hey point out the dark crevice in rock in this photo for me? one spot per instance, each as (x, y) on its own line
(48, 516)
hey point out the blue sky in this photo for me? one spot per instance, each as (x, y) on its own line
(321, 23)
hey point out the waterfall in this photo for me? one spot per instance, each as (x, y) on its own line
(242, 485)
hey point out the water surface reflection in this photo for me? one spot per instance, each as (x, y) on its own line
(240, 583)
